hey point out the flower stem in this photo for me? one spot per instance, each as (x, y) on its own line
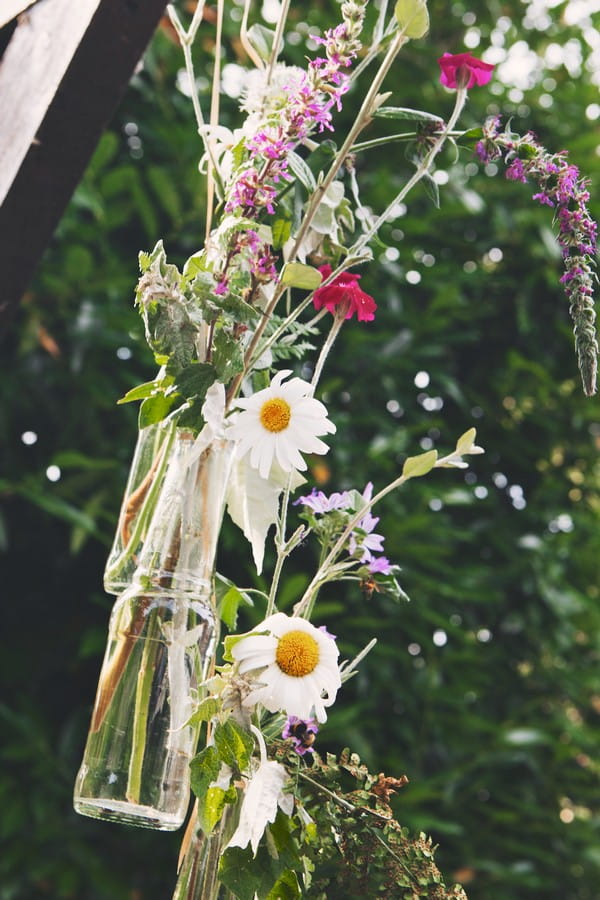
(362, 119)
(282, 550)
(338, 321)
(305, 604)
(422, 170)
(140, 714)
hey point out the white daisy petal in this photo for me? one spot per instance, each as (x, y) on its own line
(294, 667)
(278, 424)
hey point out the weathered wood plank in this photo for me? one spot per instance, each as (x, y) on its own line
(13, 8)
(32, 68)
(70, 116)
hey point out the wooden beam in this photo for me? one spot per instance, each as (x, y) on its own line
(61, 78)
(11, 9)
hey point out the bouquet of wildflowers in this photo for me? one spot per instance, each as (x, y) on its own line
(283, 242)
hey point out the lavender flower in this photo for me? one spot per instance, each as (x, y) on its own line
(320, 503)
(561, 188)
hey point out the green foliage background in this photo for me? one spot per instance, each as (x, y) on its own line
(497, 729)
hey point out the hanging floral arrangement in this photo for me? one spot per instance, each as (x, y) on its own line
(226, 427)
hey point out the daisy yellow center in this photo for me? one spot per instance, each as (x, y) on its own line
(275, 414)
(297, 653)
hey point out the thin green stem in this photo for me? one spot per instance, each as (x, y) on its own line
(306, 603)
(214, 120)
(186, 39)
(421, 171)
(338, 321)
(402, 136)
(283, 14)
(256, 59)
(362, 119)
(282, 550)
(140, 718)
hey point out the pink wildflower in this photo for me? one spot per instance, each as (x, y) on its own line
(463, 70)
(344, 291)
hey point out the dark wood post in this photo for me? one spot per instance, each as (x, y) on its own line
(62, 75)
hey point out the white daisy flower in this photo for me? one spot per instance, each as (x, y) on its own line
(279, 423)
(300, 674)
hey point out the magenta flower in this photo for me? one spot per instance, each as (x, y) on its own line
(344, 292)
(463, 70)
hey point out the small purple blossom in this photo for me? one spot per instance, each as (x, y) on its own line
(320, 503)
(516, 171)
(302, 732)
(368, 541)
(380, 565)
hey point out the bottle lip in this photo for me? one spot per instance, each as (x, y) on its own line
(168, 585)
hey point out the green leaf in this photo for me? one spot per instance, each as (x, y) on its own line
(228, 358)
(416, 466)
(195, 380)
(210, 807)
(205, 712)
(229, 641)
(403, 112)
(301, 276)
(466, 440)
(286, 887)
(204, 769)
(229, 604)
(262, 40)
(431, 189)
(155, 409)
(194, 265)
(412, 17)
(302, 171)
(138, 393)
(235, 745)
(282, 228)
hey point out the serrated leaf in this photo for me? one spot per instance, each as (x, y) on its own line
(301, 276)
(466, 440)
(204, 769)
(195, 379)
(235, 745)
(228, 358)
(138, 393)
(403, 112)
(205, 712)
(412, 17)
(194, 265)
(416, 466)
(302, 171)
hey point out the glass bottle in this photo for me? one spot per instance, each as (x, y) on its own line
(161, 643)
(198, 877)
(146, 474)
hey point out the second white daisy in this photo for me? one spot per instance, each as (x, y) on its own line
(280, 423)
(299, 674)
